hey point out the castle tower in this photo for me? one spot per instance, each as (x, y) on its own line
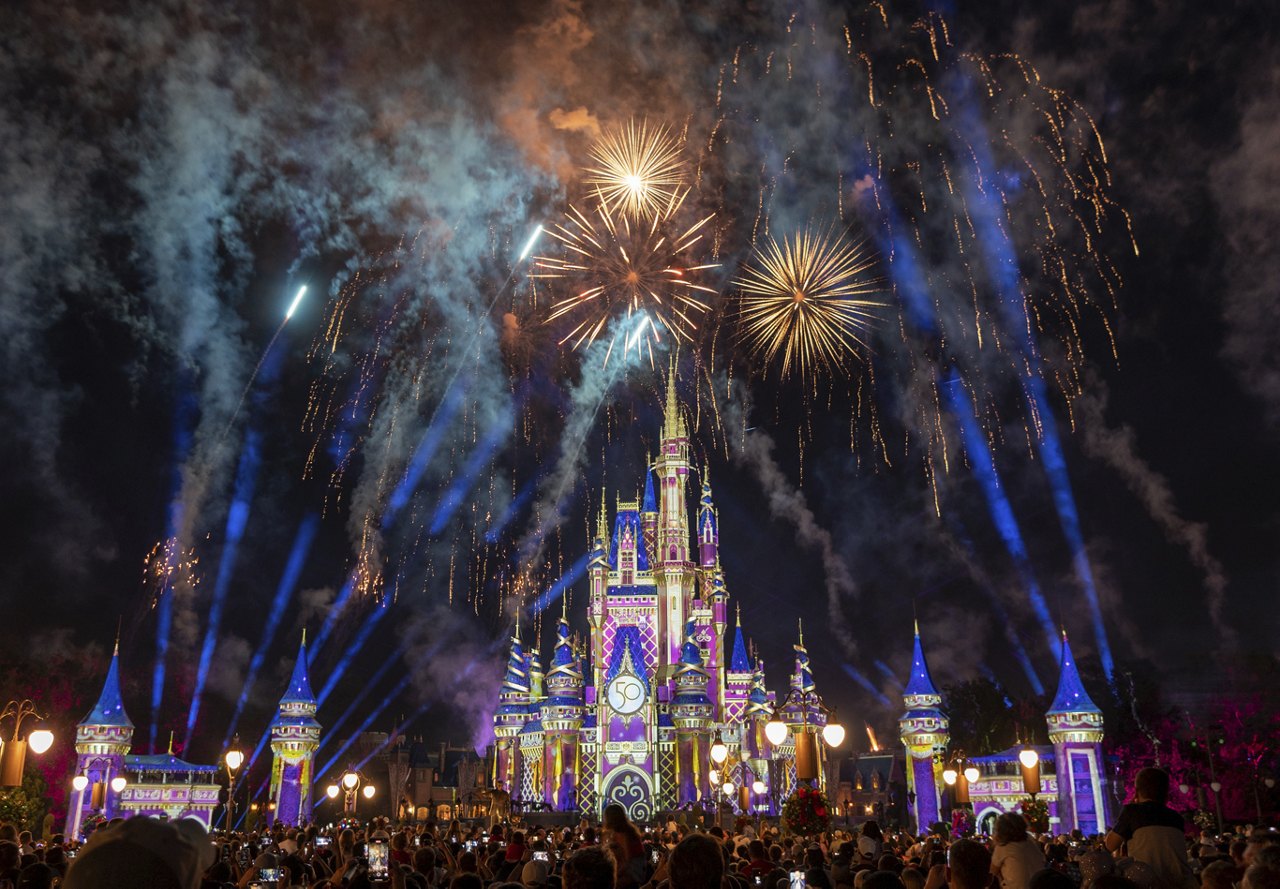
(1075, 730)
(692, 713)
(649, 512)
(671, 560)
(803, 715)
(295, 735)
(738, 676)
(103, 738)
(708, 526)
(512, 712)
(562, 716)
(924, 733)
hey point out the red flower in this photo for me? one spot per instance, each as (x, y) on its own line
(820, 812)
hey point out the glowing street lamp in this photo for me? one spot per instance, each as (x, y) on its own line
(1029, 759)
(352, 785)
(79, 783)
(233, 759)
(719, 750)
(833, 734)
(118, 783)
(331, 791)
(776, 731)
(13, 752)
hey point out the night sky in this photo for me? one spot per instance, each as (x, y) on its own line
(174, 172)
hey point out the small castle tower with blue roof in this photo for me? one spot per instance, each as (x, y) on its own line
(103, 738)
(924, 730)
(512, 713)
(295, 735)
(1076, 731)
(562, 713)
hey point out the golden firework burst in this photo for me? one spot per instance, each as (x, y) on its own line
(804, 297)
(637, 170)
(626, 268)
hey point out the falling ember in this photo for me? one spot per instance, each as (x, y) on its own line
(803, 298)
(637, 172)
(621, 268)
(871, 737)
(168, 566)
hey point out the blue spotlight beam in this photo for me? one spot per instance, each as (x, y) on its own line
(302, 541)
(854, 674)
(237, 520)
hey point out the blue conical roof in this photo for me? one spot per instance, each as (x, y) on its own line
(650, 502)
(1071, 696)
(920, 684)
(739, 661)
(299, 690)
(110, 707)
(690, 653)
(516, 678)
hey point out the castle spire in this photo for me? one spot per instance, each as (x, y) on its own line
(921, 683)
(299, 690)
(109, 710)
(672, 422)
(1071, 696)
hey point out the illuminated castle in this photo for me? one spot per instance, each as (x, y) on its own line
(631, 716)
(1070, 774)
(295, 735)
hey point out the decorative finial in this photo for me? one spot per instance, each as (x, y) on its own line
(737, 606)
(171, 742)
(800, 626)
(564, 606)
(517, 636)
(119, 622)
(304, 637)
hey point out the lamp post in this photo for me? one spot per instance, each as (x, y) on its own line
(351, 784)
(13, 753)
(807, 768)
(232, 759)
(1029, 760)
(958, 776)
(1215, 735)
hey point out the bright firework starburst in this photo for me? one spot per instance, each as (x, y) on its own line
(638, 171)
(623, 267)
(169, 565)
(803, 298)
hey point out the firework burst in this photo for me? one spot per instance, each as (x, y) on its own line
(638, 172)
(631, 269)
(803, 298)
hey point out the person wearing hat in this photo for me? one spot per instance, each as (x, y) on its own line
(534, 874)
(143, 853)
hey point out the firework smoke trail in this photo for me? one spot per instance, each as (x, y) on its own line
(585, 400)
(754, 449)
(1118, 449)
(257, 368)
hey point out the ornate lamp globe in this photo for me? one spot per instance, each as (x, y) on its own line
(776, 731)
(79, 783)
(40, 740)
(949, 775)
(1029, 758)
(971, 774)
(118, 783)
(719, 751)
(368, 791)
(728, 788)
(350, 780)
(833, 734)
(757, 787)
(234, 758)
(331, 791)
(714, 777)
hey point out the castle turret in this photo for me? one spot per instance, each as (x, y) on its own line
(512, 712)
(628, 554)
(692, 713)
(649, 511)
(295, 735)
(562, 716)
(671, 560)
(103, 738)
(738, 676)
(708, 526)
(924, 733)
(1076, 732)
